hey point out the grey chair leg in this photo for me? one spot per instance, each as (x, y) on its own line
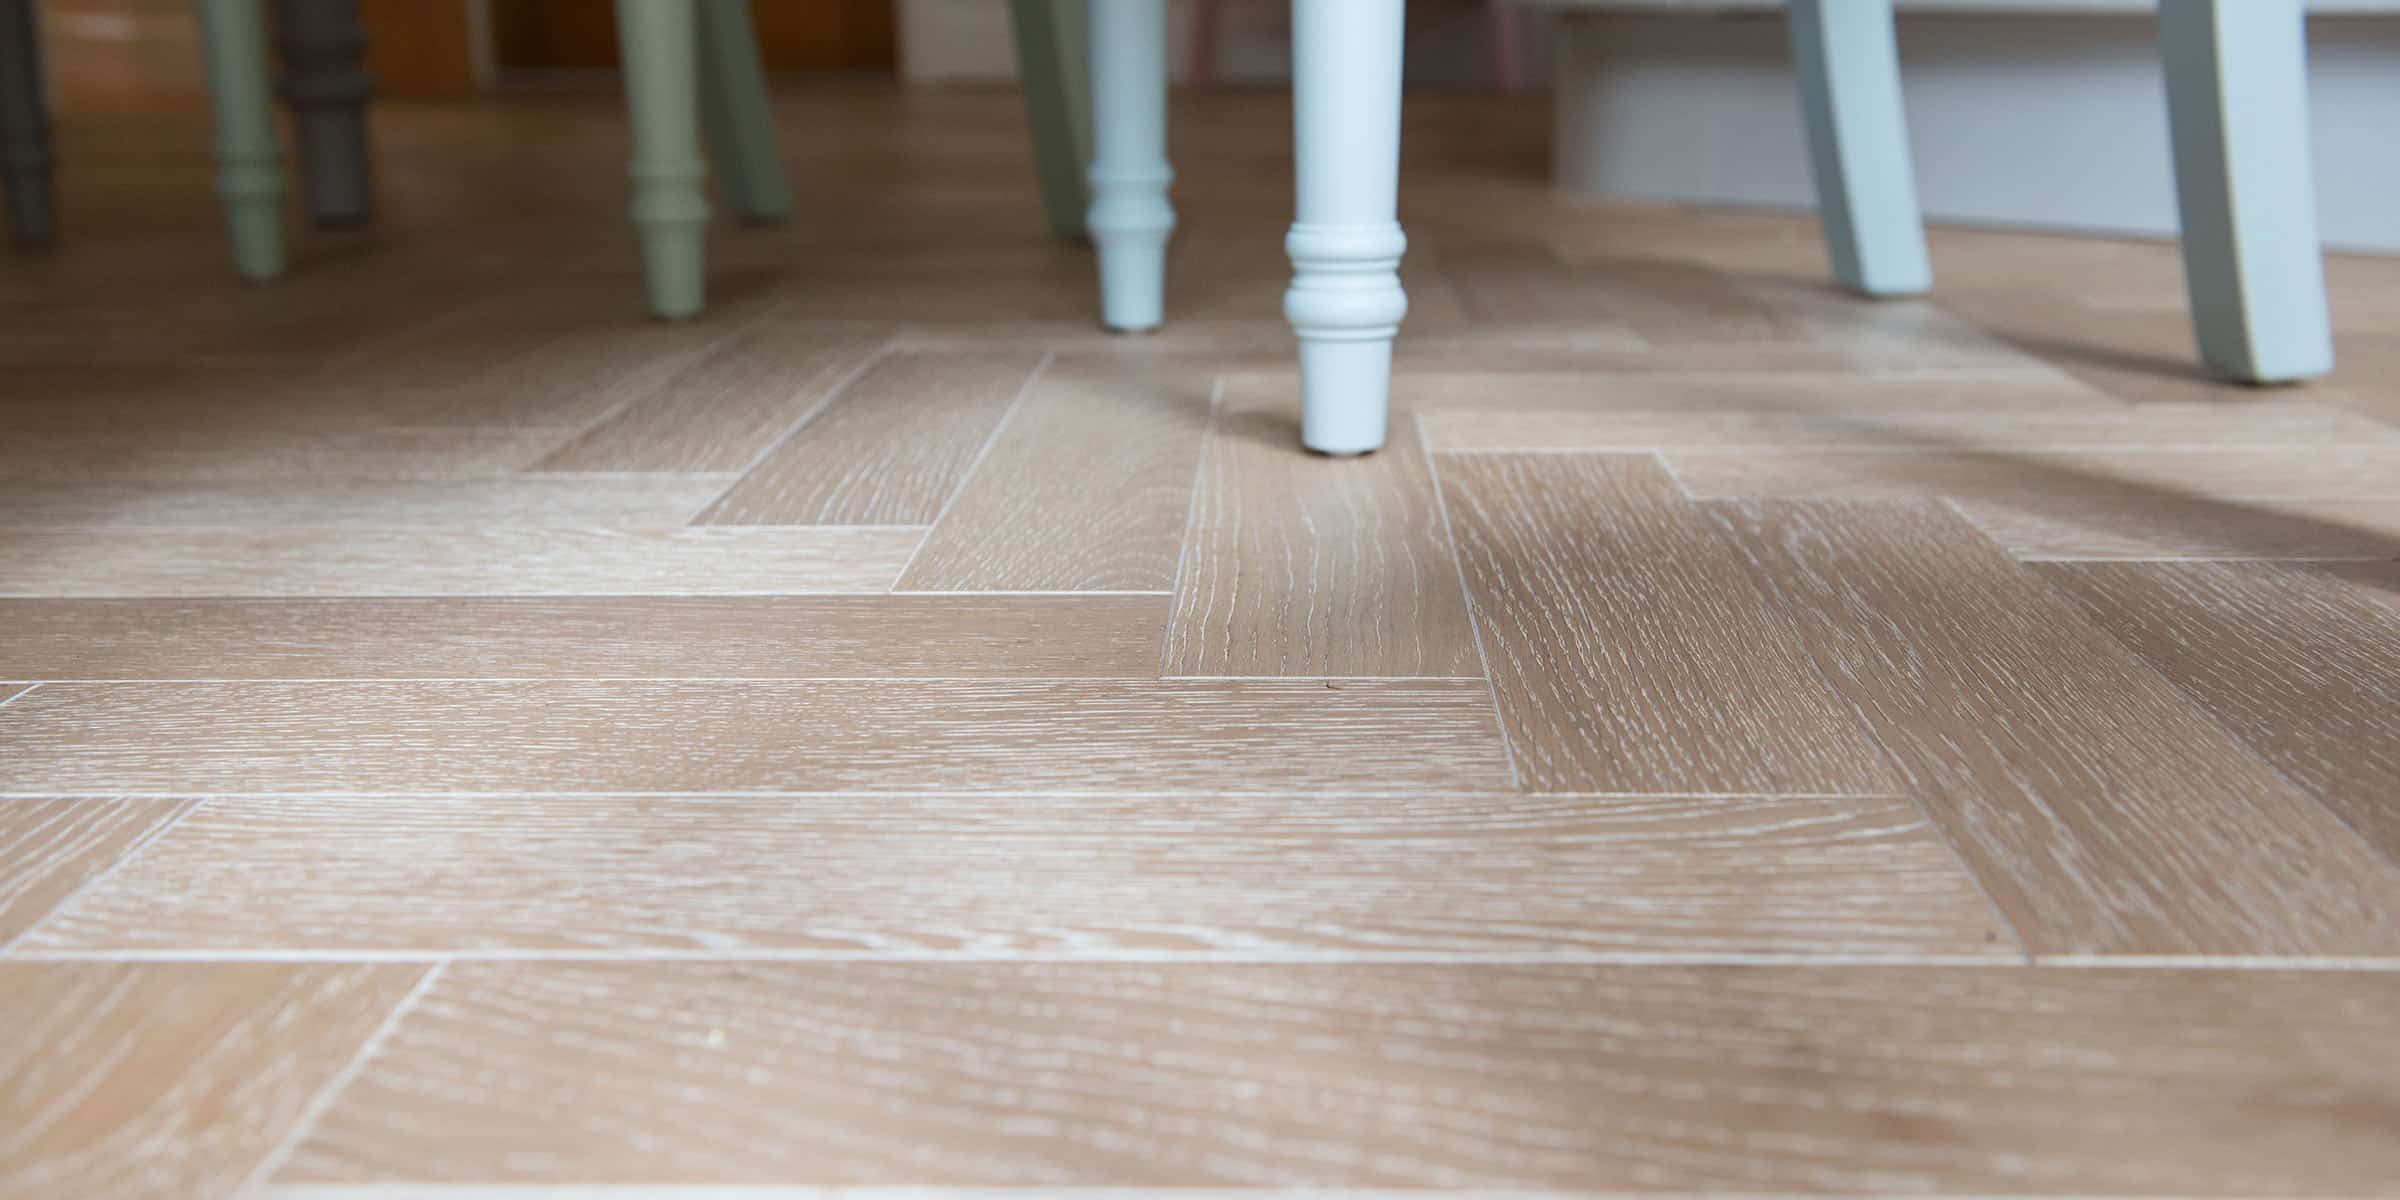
(1052, 66)
(25, 158)
(736, 115)
(325, 82)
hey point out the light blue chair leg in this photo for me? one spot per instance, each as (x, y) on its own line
(233, 44)
(1051, 63)
(1848, 63)
(2237, 95)
(739, 119)
(659, 42)
(1129, 218)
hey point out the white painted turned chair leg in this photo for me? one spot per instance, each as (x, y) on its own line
(2237, 98)
(1129, 219)
(1847, 61)
(1345, 302)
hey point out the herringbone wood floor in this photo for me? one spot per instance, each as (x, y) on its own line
(1736, 739)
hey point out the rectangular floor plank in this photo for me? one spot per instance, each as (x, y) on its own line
(1484, 408)
(2114, 522)
(1086, 488)
(1595, 428)
(2102, 809)
(2356, 467)
(555, 501)
(890, 450)
(49, 848)
(1627, 648)
(1664, 302)
(219, 453)
(1616, 1080)
(1297, 565)
(700, 735)
(1285, 876)
(171, 1080)
(568, 637)
(2303, 665)
(499, 561)
(729, 406)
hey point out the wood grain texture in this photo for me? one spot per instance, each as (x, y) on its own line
(498, 561)
(693, 736)
(730, 406)
(1086, 488)
(2345, 468)
(1300, 565)
(1459, 402)
(172, 455)
(49, 848)
(890, 450)
(588, 637)
(2103, 811)
(1627, 649)
(1283, 876)
(94, 397)
(572, 379)
(1619, 1080)
(1659, 300)
(553, 501)
(171, 1080)
(2113, 522)
(2305, 666)
(2144, 428)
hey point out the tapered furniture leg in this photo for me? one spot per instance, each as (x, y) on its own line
(2237, 97)
(1129, 218)
(25, 159)
(1345, 302)
(738, 116)
(1848, 64)
(233, 42)
(658, 39)
(1051, 60)
(326, 85)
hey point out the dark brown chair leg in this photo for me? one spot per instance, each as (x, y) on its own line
(25, 156)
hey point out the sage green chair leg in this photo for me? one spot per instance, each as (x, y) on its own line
(1847, 60)
(737, 115)
(1051, 68)
(659, 41)
(2237, 101)
(233, 42)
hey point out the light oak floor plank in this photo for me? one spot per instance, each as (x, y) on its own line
(1663, 302)
(554, 501)
(729, 407)
(2141, 428)
(171, 1080)
(890, 450)
(2303, 665)
(578, 376)
(2124, 522)
(216, 454)
(1087, 487)
(492, 561)
(94, 397)
(2102, 809)
(1624, 1080)
(1459, 403)
(589, 637)
(49, 848)
(695, 736)
(1300, 565)
(2352, 467)
(1287, 876)
(1627, 649)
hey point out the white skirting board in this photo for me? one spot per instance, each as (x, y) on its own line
(2028, 120)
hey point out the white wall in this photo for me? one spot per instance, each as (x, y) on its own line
(2013, 120)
